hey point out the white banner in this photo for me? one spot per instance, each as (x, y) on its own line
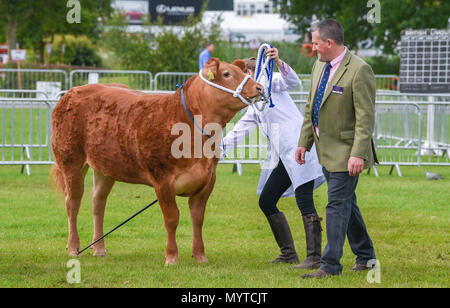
(18, 54)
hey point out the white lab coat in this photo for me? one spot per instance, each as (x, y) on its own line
(281, 125)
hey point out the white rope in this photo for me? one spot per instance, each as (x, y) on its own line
(261, 70)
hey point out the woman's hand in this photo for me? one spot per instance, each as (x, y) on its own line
(300, 155)
(272, 53)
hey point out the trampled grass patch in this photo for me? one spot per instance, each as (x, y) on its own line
(407, 218)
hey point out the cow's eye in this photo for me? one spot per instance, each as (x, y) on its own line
(226, 74)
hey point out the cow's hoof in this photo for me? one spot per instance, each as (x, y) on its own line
(98, 250)
(171, 261)
(73, 253)
(201, 259)
(101, 253)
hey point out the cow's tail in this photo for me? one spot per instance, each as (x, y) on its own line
(58, 179)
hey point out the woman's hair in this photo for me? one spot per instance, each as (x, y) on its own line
(250, 64)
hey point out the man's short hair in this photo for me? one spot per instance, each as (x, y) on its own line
(208, 44)
(329, 29)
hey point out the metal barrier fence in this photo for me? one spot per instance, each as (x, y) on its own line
(410, 129)
(25, 131)
(383, 82)
(413, 129)
(34, 79)
(137, 80)
(53, 81)
(22, 94)
(168, 80)
(387, 82)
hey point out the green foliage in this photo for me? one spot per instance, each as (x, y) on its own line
(37, 22)
(348, 13)
(170, 51)
(80, 51)
(385, 64)
(396, 15)
(292, 55)
(2, 31)
(409, 231)
(289, 53)
(228, 51)
(164, 49)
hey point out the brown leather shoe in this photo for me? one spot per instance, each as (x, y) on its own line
(320, 273)
(359, 267)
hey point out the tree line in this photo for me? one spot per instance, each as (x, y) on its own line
(36, 23)
(378, 22)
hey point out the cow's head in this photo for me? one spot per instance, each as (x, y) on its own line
(231, 76)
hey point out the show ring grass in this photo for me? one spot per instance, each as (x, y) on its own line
(407, 218)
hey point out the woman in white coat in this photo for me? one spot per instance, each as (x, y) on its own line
(281, 176)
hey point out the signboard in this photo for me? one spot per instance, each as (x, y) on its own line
(18, 54)
(93, 78)
(51, 88)
(3, 49)
(174, 11)
(424, 61)
(220, 5)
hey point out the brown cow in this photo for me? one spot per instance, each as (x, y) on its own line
(125, 135)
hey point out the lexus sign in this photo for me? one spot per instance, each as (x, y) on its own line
(174, 11)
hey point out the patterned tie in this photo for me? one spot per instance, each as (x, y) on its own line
(320, 93)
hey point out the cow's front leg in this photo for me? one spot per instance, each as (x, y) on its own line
(197, 205)
(166, 199)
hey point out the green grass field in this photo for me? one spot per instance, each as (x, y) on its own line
(407, 218)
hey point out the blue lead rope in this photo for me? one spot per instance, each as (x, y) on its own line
(269, 72)
(188, 113)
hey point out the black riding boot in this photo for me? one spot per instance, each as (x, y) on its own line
(283, 236)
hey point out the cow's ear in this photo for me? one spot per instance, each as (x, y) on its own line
(211, 68)
(239, 63)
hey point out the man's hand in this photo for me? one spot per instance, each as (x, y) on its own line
(355, 165)
(300, 155)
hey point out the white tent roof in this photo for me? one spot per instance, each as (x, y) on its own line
(259, 26)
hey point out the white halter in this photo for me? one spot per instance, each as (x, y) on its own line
(236, 93)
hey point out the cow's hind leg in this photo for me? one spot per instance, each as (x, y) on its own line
(197, 205)
(74, 188)
(102, 188)
(167, 202)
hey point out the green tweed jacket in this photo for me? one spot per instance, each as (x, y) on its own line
(346, 116)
